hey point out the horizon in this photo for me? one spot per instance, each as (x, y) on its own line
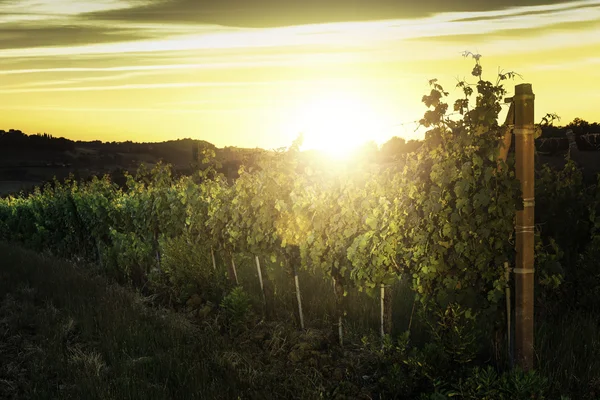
(155, 71)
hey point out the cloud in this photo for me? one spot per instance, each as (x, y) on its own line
(144, 86)
(567, 65)
(53, 8)
(270, 13)
(522, 27)
(30, 36)
(349, 35)
(127, 110)
(529, 10)
(142, 26)
(43, 23)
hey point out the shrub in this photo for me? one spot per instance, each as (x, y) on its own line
(487, 384)
(237, 308)
(186, 270)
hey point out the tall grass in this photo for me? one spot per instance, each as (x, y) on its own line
(568, 353)
(67, 334)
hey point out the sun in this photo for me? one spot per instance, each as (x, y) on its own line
(337, 123)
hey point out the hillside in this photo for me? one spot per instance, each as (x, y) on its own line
(30, 160)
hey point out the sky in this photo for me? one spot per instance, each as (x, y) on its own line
(255, 73)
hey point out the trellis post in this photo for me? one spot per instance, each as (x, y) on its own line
(524, 156)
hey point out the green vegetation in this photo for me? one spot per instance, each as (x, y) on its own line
(69, 334)
(243, 264)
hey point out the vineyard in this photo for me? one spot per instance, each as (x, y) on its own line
(415, 250)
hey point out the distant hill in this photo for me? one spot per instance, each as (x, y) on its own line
(29, 160)
(16, 146)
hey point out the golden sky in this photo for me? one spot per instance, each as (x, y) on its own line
(254, 73)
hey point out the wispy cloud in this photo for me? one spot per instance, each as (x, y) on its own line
(62, 7)
(346, 35)
(25, 38)
(81, 79)
(525, 10)
(144, 86)
(566, 66)
(128, 109)
(264, 13)
(223, 62)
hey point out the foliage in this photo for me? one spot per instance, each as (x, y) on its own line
(260, 199)
(585, 277)
(187, 271)
(456, 332)
(376, 251)
(237, 307)
(563, 202)
(460, 203)
(581, 126)
(487, 384)
(567, 240)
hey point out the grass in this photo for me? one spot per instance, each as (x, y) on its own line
(68, 333)
(568, 353)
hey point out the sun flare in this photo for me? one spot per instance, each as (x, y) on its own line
(337, 123)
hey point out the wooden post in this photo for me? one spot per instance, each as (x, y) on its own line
(212, 255)
(508, 314)
(386, 310)
(382, 310)
(505, 143)
(260, 279)
(233, 271)
(338, 292)
(298, 296)
(524, 157)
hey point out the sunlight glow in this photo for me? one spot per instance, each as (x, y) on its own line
(337, 123)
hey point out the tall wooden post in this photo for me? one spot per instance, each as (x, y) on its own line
(524, 157)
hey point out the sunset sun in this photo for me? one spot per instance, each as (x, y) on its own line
(337, 123)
